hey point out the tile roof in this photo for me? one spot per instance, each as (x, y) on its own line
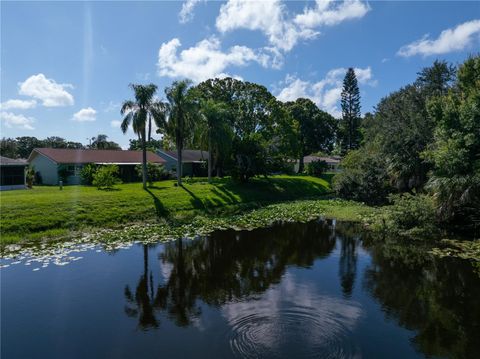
(5, 161)
(63, 155)
(189, 155)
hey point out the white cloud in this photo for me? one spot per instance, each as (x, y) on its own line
(270, 17)
(18, 104)
(19, 121)
(282, 30)
(48, 91)
(449, 40)
(115, 124)
(112, 106)
(204, 60)
(331, 13)
(326, 92)
(186, 13)
(85, 115)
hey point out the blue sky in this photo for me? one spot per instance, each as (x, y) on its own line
(65, 66)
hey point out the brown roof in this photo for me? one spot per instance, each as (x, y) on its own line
(5, 161)
(189, 155)
(62, 155)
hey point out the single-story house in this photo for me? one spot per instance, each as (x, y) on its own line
(333, 162)
(49, 161)
(194, 161)
(12, 173)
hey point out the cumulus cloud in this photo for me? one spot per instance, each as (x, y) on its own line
(85, 115)
(204, 60)
(18, 121)
(51, 93)
(282, 30)
(450, 40)
(326, 92)
(269, 17)
(186, 13)
(18, 104)
(331, 13)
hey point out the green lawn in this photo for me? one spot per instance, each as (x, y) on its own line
(48, 211)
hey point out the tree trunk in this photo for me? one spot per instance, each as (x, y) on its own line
(144, 161)
(209, 158)
(301, 164)
(179, 164)
(149, 129)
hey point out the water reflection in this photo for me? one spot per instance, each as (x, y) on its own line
(438, 299)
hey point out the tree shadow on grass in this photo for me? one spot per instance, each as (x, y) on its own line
(196, 202)
(160, 209)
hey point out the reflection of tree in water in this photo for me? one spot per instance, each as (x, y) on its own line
(141, 303)
(223, 267)
(438, 298)
(349, 239)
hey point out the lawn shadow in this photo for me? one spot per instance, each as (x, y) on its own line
(160, 209)
(196, 202)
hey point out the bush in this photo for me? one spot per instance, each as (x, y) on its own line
(363, 178)
(154, 172)
(87, 173)
(30, 176)
(106, 177)
(316, 168)
(412, 215)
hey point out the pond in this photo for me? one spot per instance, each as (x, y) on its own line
(291, 290)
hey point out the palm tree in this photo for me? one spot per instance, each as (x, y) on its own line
(213, 129)
(137, 113)
(176, 117)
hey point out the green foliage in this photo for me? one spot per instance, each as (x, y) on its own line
(363, 177)
(152, 145)
(455, 151)
(21, 147)
(30, 176)
(106, 177)
(350, 134)
(87, 173)
(154, 172)
(412, 215)
(317, 168)
(314, 129)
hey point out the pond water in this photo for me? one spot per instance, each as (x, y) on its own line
(291, 290)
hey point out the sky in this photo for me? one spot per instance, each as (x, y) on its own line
(65, 67)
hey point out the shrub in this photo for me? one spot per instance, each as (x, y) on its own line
(106, 177)
(412, 215)
(154, 172)
(30, 176)
(87, 173)
(363, 178)
(316, 168)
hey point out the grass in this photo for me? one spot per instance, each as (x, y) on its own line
(50, 212)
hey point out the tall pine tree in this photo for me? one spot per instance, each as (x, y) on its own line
(350, 122)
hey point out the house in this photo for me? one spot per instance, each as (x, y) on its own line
(12, 173)
(48, 162)
(194, 161)
(333, 162)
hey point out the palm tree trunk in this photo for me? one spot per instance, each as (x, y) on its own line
(209, 158)
(149, 129)
(144, 161)
(179, 165)
(301, 164)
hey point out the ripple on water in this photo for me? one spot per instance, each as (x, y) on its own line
(300, 331)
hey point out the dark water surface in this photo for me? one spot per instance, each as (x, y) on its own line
(292, 291)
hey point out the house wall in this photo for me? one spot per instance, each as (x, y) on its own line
(47, 169)
(170, 163)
